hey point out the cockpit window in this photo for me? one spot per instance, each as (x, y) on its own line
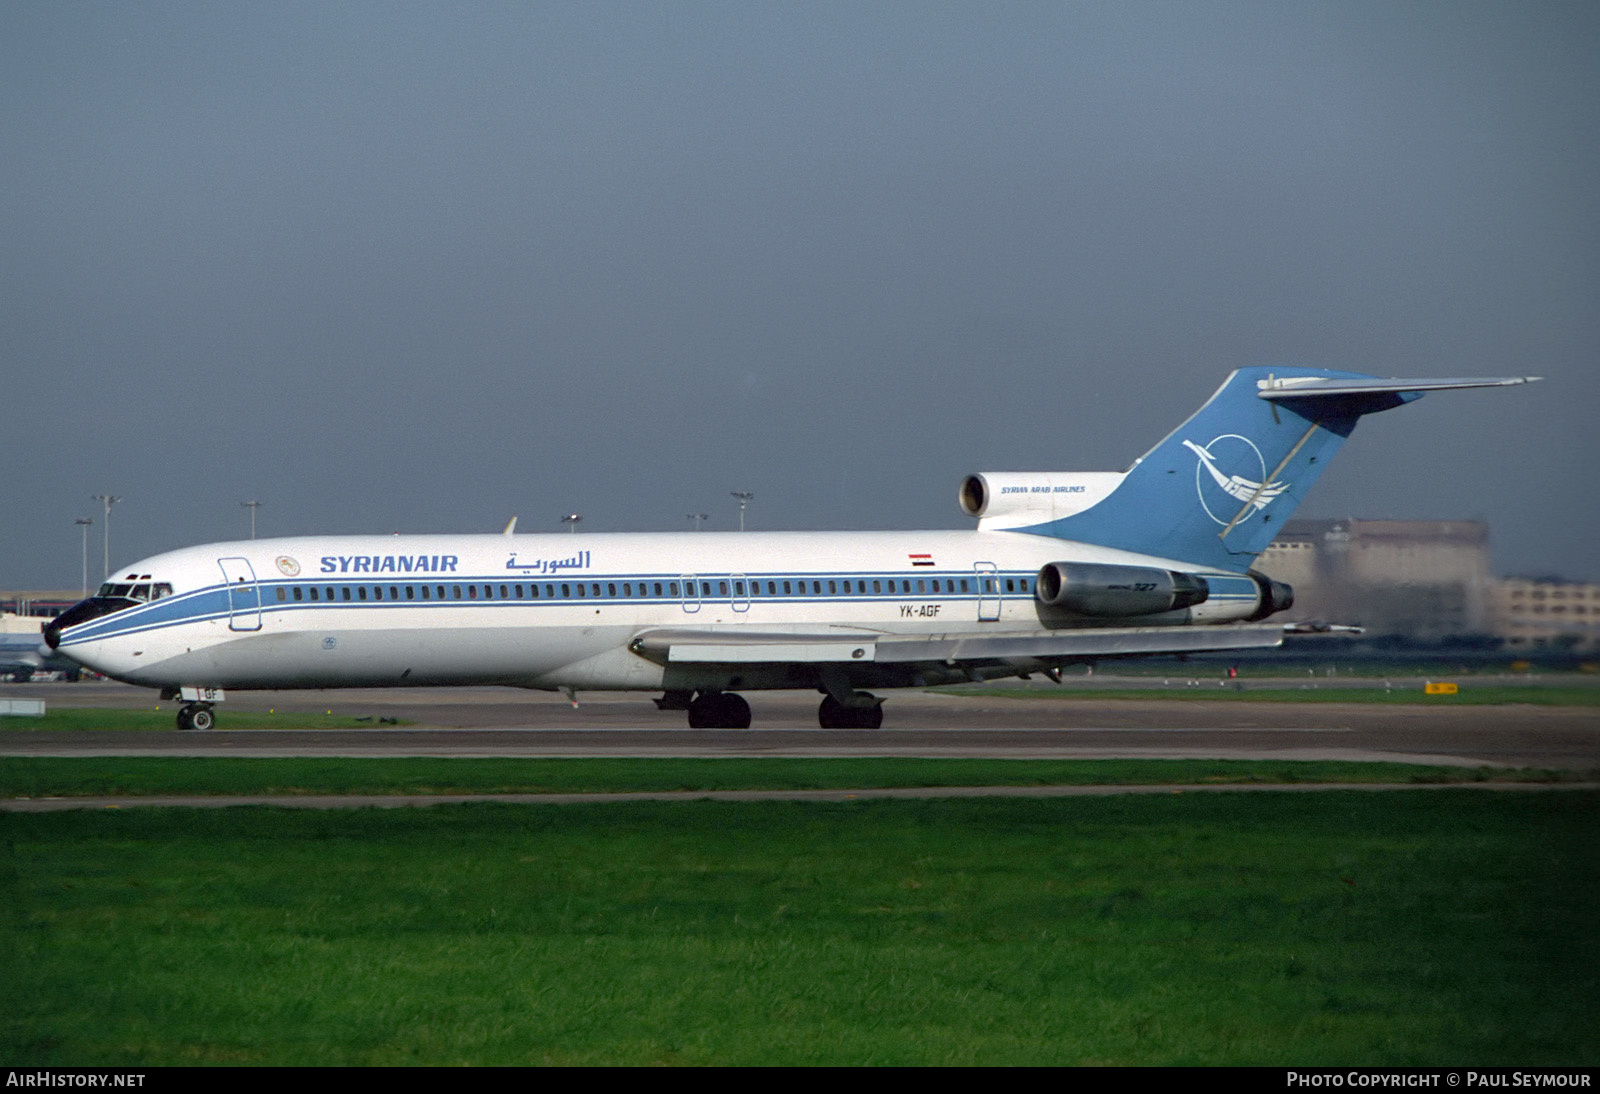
(142, 591)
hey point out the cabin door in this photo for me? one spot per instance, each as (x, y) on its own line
(244, 595)
(988, 576)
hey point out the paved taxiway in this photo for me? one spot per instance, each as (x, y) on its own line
(502, 722)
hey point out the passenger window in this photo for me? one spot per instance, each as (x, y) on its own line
(738, 588)
(658, 588)
(394, 592)
(595, 588)
(297, 594)
(377, 592)
(786, 590)
(722, 586)
(361, 592)
(313, 591)
(611, 588)
(411, 592)
(877, 588)
(502, 592)
(627, 588)
(472, 592)
(922, 586)
(566, 591)
(281, 594)
(581, 590)
(455, 591)
(345, 590)
(425, 592)
(519, 592)
(833, 587)
(672, 588)
(772, 588)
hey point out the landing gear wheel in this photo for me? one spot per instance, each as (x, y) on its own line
(719, 710)
(833, 714)
(196, 716)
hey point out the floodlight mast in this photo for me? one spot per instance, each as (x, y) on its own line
(84, 523)
(745, 498)
(108, 500)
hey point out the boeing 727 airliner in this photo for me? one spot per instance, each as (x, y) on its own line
(1063, 568)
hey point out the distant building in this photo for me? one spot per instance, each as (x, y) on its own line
(1535, 612)
(1421, 578)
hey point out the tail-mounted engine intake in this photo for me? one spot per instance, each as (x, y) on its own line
(1275, 596)
(1091, 588)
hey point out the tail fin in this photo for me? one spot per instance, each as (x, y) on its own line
(1217, 489)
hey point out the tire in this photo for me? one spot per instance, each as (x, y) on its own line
(719, 710)
(703, 710)
(202, 719)
(185, 718)
(832, 714)
(735, 712)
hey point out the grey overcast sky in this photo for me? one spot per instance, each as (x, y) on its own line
(412, 266)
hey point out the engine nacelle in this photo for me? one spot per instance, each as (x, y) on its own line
(1275, 596)
(1016, 499)
(1092, 588)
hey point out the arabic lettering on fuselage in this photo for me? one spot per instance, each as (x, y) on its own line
(579, 561)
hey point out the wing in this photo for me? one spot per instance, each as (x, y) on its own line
(969, 654)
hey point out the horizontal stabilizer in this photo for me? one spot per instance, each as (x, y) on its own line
(1303, 388)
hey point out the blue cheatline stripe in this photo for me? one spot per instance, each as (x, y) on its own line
(212, 603)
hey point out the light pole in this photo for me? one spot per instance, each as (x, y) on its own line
(252, 506)
(697, 518)
(745, 497)
(109, 500)
(571, 521)
(84, 523)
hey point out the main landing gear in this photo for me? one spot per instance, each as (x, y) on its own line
(864, 711)
(196, 716)
(719, 710)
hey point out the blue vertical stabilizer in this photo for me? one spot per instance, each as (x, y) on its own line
(1217, 489)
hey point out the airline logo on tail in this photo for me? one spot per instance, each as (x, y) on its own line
(1253, 494)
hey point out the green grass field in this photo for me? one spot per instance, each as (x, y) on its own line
(51, 776)
(1448, 926)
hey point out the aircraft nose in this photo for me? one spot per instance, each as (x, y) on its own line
(52, 636)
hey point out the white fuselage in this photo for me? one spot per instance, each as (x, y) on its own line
(549, 611)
